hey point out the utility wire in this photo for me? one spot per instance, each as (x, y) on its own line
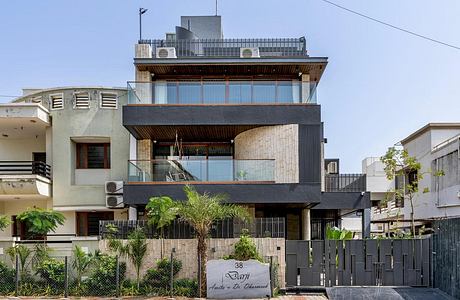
(392, 26)
(8, 96)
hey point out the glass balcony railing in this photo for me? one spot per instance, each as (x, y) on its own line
(221, 92)
(203, 170)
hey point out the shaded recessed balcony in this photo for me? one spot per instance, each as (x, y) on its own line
(215, 92)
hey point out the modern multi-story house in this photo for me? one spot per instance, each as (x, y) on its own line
(239, 117)
(436, 147)
(58, 147)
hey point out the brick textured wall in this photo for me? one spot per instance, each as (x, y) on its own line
(186, 252)
(272, 142)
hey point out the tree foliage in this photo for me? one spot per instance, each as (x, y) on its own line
(4, 222)
(161, 211)
(335, 233)
(200, 211)
(41, 221)
(134, 249)
(398, 163)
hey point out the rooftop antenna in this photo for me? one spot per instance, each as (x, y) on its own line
(216, 7)
(141, 12)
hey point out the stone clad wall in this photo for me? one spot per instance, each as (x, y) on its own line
(186, 252)
(278, 142)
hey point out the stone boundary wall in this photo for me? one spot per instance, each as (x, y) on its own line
(186, 252)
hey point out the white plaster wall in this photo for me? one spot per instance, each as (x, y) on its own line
(425, 204)
(91, 176)
(13, 207)
(272, 142)
(21, 149)
(86, 124)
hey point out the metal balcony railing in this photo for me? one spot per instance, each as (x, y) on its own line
(222, 92)
(201, 170)
(178, 229)
(345, 183)
(221, 48)
(25, 168)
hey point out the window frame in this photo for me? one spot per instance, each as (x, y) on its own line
(78, 146)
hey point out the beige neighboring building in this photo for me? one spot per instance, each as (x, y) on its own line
(436, 146)
(58, 148)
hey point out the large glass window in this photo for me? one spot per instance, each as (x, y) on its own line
(189, 92)
(239, 92)
(93, 156)
(214, 92)
(264, 92)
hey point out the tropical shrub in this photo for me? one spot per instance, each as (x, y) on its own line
(245, 249)
(102, 278)
(41, 221)
(161, 275)
(186, 288)
(52, 272)
(7, 277)
(334, 233)
(157, 280)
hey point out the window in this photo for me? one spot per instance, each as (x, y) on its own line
(93, 156)
(449, 165)
(57, 101)
(88, 222)
(109, 100)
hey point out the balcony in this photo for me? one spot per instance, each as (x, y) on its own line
(345, 183)
(202, 171)
(214, 92)
(25, 178)
(230, 48)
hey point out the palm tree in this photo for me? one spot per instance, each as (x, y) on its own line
(200, 211)
(135, 249)
(81, 262)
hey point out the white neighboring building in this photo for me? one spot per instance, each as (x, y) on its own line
(436, 147)
(58, 147)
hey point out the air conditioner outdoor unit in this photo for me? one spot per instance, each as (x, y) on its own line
(166, 52)
(114, 201)
(249, 53)
(114, 187)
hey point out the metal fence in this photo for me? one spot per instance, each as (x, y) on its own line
(385, 262)
(99, 275)
(25, 168)
(196, 48)
(345, 183)
(228, 228)
(446, 256)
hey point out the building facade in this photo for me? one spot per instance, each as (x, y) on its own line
(238, 117)
(436, 147)
(58, 147)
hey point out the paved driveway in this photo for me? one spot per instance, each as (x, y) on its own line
(386, 293)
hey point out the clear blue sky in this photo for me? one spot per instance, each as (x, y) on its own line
(380, 84)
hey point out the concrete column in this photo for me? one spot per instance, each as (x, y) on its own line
(366, 223)
(143, 87)
(305, 94)
(306, 225)
(144, 155)
(132, 213)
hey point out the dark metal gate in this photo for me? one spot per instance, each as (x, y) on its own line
(390, 262)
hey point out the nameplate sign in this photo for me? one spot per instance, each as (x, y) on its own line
(233, 279)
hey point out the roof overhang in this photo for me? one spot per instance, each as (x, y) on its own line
(314, 66)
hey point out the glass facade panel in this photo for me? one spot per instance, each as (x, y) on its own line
(214, 92)
(264, 92)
